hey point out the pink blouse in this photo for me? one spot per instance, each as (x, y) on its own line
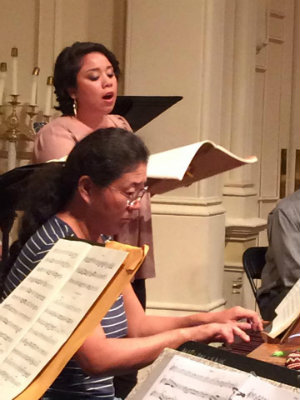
(57, 139)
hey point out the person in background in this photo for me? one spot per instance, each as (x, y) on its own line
(282, 269)
(100, 186)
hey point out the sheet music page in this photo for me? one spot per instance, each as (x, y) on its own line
(188, 379)
(258, 389)
(172, 164)
(23, 306)
(287, 311)
(58, 319)
(290, 303)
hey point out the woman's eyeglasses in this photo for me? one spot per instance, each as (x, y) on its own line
(133, 198)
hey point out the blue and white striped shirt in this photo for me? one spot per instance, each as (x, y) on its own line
(72, 383)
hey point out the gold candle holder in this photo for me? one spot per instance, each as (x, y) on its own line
(30, 134)
(12, 133)
(3, 67)
(13, 120)
(14, 52)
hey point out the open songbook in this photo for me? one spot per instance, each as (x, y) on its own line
(176, 375)
(184, 165)
(287, 312)
(48, 316)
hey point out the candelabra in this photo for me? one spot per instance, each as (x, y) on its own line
(12, 132)
(10, 128)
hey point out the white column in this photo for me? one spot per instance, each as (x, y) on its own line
(240, 200)
(243, 86)
(239, 188)
(212, 86)
(184, 57)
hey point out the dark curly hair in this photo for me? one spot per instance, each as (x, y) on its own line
(104, 155)
(67, 66)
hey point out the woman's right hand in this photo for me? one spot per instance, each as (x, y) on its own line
(217, 332)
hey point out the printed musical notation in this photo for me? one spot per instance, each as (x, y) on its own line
(191, 379)
(43, 311)
(286, 312)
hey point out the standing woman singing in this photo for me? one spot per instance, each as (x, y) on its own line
(86, 80)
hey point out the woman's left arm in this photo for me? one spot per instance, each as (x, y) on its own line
(147, 337)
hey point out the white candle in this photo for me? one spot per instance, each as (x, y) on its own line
(3, 69)
(11, 156)
(14, 69)
(48, 102)
(35, 75)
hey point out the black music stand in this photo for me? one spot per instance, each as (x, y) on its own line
(140, 110)
(12, 197)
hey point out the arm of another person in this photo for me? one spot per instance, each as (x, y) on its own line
(284, 238)
(147, 337)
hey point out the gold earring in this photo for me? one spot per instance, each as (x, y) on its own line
(75, 107)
